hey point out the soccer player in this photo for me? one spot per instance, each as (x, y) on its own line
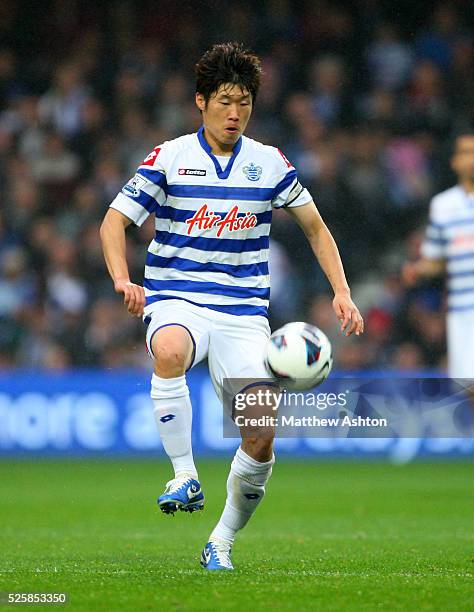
(448, 248)
(207, 284)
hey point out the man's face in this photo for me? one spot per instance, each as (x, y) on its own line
(462, 161)
(226, 113)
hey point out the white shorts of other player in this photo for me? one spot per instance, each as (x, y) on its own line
(460, 336)
(234, 345)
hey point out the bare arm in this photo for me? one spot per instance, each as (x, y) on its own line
(422, 268)
(327, 254)
(112, 235)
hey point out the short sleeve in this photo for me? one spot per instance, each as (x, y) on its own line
(145, 191)
(288, 192)
(434, 243)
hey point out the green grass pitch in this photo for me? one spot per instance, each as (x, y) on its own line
(328, 536)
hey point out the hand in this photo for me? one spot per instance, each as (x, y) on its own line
(133, 296)
(410, 274)
(348, 314)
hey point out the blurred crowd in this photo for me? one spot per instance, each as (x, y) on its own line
(364, 100)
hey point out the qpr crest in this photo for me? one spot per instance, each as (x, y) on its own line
(252, 172)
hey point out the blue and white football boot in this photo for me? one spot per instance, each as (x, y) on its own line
(183, 493)
(216, 555)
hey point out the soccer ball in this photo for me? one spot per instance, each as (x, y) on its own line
(299, 355)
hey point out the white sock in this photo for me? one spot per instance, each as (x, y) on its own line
(245, 490)
(173, 415)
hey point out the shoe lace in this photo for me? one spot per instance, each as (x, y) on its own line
(176, 483)
(223, 550)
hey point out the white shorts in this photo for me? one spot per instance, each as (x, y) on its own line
(460, 336)
(234, 345)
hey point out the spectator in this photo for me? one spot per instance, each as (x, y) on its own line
(362, 105)
(389, 59)
(62, 106)
(328, 82)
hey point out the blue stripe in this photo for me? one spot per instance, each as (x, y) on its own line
(145, 200)
(155, 177)
(148, 202)
(460, 291)
(237, 309)
(204, 192)
(461, 308)
(188, 265)
(226, 245)
(460, 256)
(442, 226)
(463, 273)
(440, 241)
(202, 287)
(176, 214)
(284, 183)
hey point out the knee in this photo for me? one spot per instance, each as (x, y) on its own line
(170, 360)
(172, 349)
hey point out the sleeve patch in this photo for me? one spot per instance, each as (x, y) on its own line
(294, 193)
(134, 186)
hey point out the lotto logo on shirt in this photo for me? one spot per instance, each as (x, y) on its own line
(150, 159)
(191, 171)
(287, 162)
(205, 220)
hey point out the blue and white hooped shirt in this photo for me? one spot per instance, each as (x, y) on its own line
(450, 236)
(212, 224)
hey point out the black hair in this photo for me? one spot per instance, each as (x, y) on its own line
(228, 63)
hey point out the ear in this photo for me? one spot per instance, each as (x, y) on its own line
(200, 102)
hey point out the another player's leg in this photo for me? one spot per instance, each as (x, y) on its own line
(460, 337)
(173, 350)
(249, 473)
